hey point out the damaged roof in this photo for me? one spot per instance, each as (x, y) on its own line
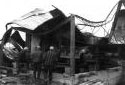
(35, 18)
(54, 24)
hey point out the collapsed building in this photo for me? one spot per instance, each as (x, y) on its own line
(54, 28)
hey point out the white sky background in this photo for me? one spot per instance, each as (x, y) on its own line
(94, 10)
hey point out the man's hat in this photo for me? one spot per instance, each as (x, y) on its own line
(51, 47)
(38, 47)
(25, 48)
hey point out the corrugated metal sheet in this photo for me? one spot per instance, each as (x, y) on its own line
(33, 19)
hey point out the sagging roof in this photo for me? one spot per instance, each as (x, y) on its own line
(35, 18)
(52, 23)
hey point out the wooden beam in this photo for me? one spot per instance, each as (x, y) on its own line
(28, 40)
(56, 27)
(72, 44)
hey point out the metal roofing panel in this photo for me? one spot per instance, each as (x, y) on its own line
(33, 19)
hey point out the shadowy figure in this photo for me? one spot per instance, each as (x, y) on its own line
(36, 59)
(23, 59)
(49, 61)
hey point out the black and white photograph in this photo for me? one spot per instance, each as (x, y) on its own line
(62, 42)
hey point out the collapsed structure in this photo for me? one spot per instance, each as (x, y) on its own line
(56, 29)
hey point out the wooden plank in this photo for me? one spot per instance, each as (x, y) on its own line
(28, 40)
(72, 44)
(7, 68)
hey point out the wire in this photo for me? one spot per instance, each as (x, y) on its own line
(105, 30)
(99, 23)
(94, 24)
(112, 10)
(97, 30)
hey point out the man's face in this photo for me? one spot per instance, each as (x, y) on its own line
(83, 50)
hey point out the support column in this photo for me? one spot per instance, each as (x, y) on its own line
(72, 44)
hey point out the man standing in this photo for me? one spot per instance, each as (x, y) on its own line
(36, 59)
(49, 61)
(23, 59)
(85, 58)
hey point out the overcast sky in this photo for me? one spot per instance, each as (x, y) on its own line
(94, 10)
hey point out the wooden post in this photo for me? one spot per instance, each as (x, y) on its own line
(72, 45)
(28, 40)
